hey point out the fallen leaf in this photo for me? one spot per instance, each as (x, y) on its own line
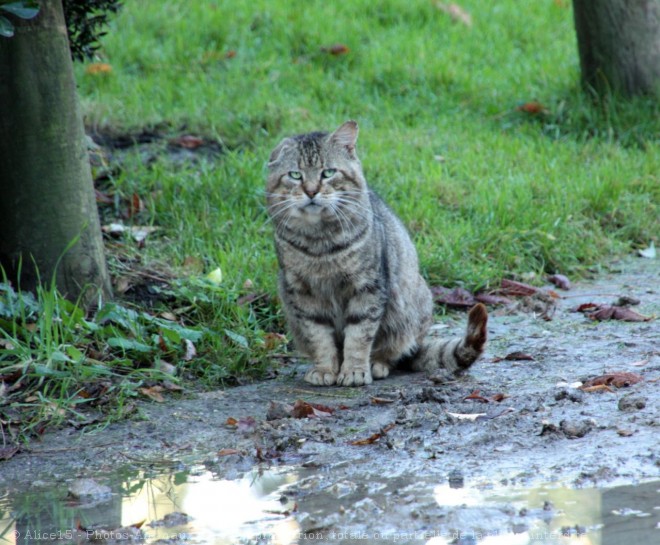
(231, 421)
(649, 252)
(7, 452)
(303, 409)
(230, 54)
(499, 397)
(515, 356)
(618, 380)
(597, 388)
(625, 433)
(532, 108)
(227, 452)
(96, 68)
(381, 400)
(336, 49)
(516, 289)
(586, 307)
(169, 316)
(458, 297)
(215, 276)
(624, 314)
(187, 141)
(456, 12)
(154, 392)
(561, 281)
(476, 397)
(373, 438)
(135, 206)
(274, 340)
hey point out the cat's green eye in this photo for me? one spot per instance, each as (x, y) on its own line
(328, 173)
(295, 175)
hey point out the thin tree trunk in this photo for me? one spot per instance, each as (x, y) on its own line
(619, 45)
(49, 224)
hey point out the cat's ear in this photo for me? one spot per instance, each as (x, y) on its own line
(277, 152)
(346, 136)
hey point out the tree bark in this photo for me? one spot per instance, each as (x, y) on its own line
(49, 224)
(619, 45)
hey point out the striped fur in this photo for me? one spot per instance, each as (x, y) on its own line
(349, 279)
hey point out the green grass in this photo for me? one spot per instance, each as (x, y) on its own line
(487, 190)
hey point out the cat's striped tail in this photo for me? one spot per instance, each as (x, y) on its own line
(457, 354)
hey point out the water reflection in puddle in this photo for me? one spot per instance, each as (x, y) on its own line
(283, 506)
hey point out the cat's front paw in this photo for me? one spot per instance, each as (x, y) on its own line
(321, 376)
(354, 378)
(380, 369)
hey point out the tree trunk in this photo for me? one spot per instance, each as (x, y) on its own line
(619, 45)
(49, 224)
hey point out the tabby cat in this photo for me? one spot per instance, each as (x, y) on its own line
(349, 280)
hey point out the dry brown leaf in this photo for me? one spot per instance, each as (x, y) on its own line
(532, 108)
(187, 141)
(154, 393)
(303, 409)
(231, 421)
(516, 289)
(618, 380)
(381, 400)
(597, 388)
(624, 314)
(97, 68)
(625, 433)
(456, 12)
(336, 49)
(7, 452)
(476, 397)
(227, 452)
(373, 438)
(514, 356)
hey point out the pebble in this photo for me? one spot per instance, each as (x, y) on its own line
(631, 403)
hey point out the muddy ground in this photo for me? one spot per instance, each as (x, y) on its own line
(536, 427)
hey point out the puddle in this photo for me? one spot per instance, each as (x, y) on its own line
(286, 506)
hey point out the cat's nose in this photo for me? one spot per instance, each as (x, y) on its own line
(312, 191)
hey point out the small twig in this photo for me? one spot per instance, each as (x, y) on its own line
(590, 295)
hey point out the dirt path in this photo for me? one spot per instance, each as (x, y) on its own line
(543, 430)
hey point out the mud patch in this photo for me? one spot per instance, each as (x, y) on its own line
(381, 456)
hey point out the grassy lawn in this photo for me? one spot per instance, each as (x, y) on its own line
(478, 136)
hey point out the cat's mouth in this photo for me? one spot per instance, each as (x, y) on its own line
(312, 206)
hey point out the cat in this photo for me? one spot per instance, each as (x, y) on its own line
(354, 299)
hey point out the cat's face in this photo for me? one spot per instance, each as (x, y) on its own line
(315, 177)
